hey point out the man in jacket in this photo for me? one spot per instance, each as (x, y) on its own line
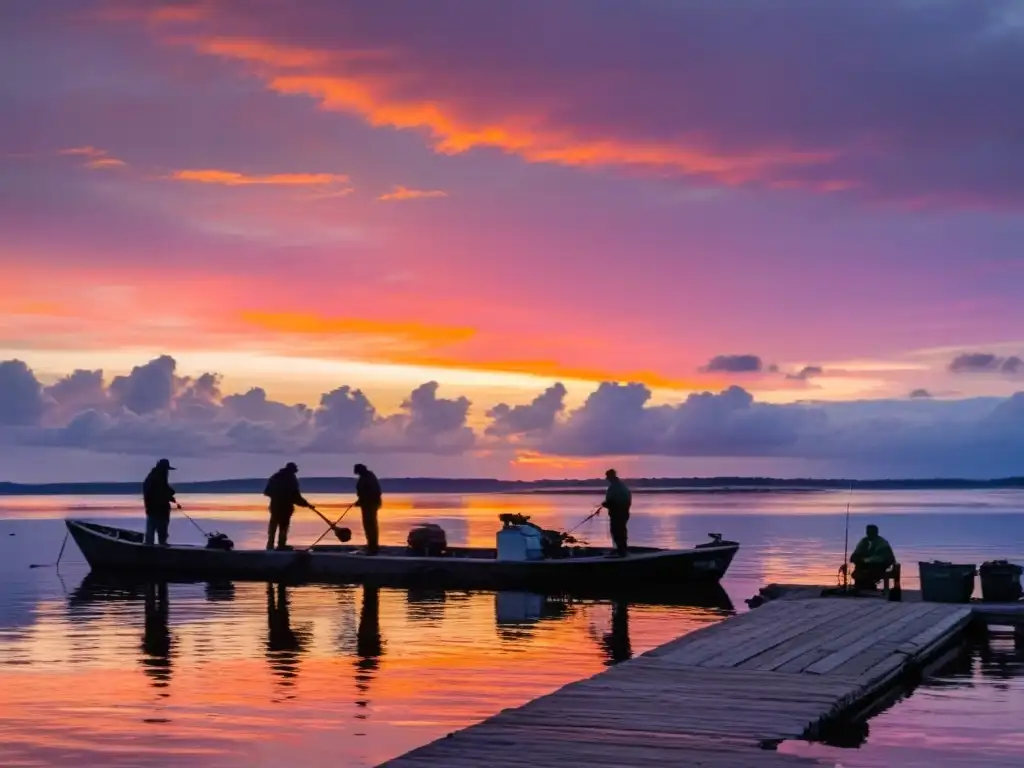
(283, 490)
(368, 499)
(157, 496)
(871, 558)
(617, 501)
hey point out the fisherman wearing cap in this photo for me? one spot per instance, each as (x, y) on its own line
(283, 490)
(368, 499)
(158, 495)
(617, 501)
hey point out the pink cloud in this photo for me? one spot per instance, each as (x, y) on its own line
(399, 193)
(780, 100)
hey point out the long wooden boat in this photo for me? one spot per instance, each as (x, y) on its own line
(109, 549)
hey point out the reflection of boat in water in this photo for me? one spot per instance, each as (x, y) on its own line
(120, 550)
(517, 613)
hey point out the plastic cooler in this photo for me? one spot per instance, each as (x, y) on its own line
(946, 582)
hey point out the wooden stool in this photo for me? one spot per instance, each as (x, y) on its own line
(895, 591)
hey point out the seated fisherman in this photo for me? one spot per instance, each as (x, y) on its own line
(871, 559)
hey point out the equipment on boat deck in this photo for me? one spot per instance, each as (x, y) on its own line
(215, 540)
(520, 542)
(552, 542)
(219, 541)
(427, 540)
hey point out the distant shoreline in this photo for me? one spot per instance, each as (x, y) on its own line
(718, 485)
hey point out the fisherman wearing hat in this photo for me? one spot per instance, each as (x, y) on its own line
(617, 501)
(368, 499)
(283, 490)
(158, 495)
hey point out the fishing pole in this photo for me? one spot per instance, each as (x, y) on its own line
(193, 521)
(59, 556)
(585, 519)
(846, 540)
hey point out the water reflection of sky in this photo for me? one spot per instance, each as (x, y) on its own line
(246, 674)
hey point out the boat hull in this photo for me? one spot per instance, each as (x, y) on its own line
(108, 549)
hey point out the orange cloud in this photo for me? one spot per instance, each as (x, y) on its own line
(314, 325)
(87, 151)
(535, 460)
(445, 347)
(96, 159)
(340, 80)
(404, 193)
(235, 179)
(105, 162)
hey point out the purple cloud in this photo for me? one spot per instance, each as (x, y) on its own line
(976, 437)
(733, 364)
(21, 395)
(536, 416)
(986, 362)
(805, 373)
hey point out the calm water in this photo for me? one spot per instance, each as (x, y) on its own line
(246, 674)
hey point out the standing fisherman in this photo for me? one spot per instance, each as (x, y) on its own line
(283, 490)
(157, 496)
(617, 501)
(368, 499)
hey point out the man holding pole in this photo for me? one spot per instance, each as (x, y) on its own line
(283, 490)
(368, 499)
(617, 501)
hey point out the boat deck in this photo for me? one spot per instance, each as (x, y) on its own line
(721, 696)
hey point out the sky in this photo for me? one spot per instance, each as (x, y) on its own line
(520, 240)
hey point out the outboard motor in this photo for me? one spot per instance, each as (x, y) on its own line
(219, 541)
(427, 540)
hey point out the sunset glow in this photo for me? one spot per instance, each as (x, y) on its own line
(336, 200)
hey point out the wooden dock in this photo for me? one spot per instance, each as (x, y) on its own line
(998, 614)
(721, 696)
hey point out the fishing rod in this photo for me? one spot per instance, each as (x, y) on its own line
(585, 519)
(189, 518)
(59, 556)
(846, 540)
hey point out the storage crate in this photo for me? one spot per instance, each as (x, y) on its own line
(1000, 581)
(946, 582)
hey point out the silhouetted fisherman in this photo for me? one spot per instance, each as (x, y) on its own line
(283, 490)
(284, 644)
(368, 499)
(617, 501)
(616, 641)
(158, 495)
(369, 644)
(157, 642)
(871, 558)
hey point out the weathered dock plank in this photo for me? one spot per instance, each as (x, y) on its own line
(714, 697)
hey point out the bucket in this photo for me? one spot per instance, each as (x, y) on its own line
(1000, 581)
(946, 582)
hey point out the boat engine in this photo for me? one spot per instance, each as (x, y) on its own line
(219, 541)
(427, 540)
